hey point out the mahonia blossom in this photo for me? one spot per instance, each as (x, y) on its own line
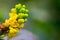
(17, 18)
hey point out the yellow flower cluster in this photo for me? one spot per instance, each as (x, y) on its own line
(18, 16)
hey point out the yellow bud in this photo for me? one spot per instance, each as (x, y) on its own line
(15, 25)
(23, 6)
(25, 20)
(10, 20)
(13, 15)
(26, 15)
(10, 27)
(11, 34)
(22, 10)
(20, 15)
(27, 10)
(7, 23)
(14, 35)
(21, 25)
(21, 20)
(13, 10)
(16, 31)
(18, 6)
(11, 31)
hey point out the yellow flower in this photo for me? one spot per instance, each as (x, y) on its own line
(11, 35)
(6, 23)
(12, 32)
(15, 25)
(10, 27)
(13, 15)
(12, 20)
(20, 20)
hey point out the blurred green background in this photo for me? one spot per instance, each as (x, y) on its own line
(43, 20)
